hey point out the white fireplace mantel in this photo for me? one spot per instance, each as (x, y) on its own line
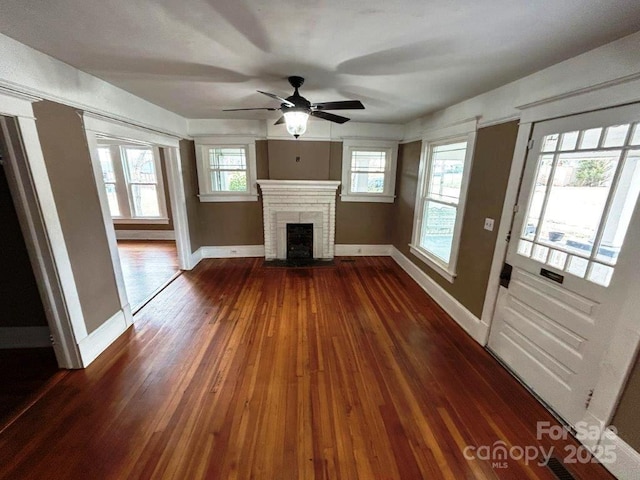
(299, 201)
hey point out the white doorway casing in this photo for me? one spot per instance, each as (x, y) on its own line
(299, 201)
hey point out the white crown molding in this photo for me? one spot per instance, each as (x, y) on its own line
(20, 95)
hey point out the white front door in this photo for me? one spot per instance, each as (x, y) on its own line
(576, 205)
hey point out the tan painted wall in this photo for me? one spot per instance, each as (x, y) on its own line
(359, 223)
(240, 223)
(627, 417)
(148, 226)
(190, 184)
(485, 196)
(20, 303)
(234, 223)
(66, 155)
(299, 160)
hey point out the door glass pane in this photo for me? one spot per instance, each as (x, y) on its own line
(577, 266)
(568, 141)
(537, 199)
(540, 253)
(550, 142)
(615, 136)
(112, 199)
(577, 198)
(438, 224)
(557, 259)
(524, 248)
(600, 274)
(622, 206)
(140, 165)
(582, 202)
(590, 138)
(635, 139)
(145, 200)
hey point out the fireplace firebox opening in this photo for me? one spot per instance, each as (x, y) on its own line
(299, 241)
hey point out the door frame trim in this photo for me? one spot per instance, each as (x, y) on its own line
(33, 199)
(619, 356)
(502, 243)
(95, 125)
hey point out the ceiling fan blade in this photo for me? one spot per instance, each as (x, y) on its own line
(276, 97)
(341, 105)
(280, 120)
(241, 109)
(329, 116)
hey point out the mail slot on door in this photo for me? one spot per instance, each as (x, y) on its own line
(556, 277)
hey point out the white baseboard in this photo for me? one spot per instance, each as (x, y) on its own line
(95, 343)
(232, 251)
(627, 461)
(145, 235)
(24, 337)
(194, 259)
(467, 320)
(343, 250)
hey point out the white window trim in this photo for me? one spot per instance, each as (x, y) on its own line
(391, 148)
(465, 131)
(206, 194)
(123, 192)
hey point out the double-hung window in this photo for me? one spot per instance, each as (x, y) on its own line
(368, 171)
(226, 169)
(133, 182)
(444, 174)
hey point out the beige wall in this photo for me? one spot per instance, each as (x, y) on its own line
(485, 196)
(66, 155)
(233, 223)
(299, 160)
(190, 184)
(151, 226)
(240, 223)
(359, 223)
(627, 417)
(20, 303)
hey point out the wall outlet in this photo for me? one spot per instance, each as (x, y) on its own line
(488, 224)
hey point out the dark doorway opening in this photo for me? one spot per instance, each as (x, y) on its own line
(300, 241)
(27, 358)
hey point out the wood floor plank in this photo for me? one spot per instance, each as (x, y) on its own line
(240, 371)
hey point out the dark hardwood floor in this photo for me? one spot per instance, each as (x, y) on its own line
(23, 373)
(240, 371)
(146, 266)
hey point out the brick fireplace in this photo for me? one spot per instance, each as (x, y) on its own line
(288, 202)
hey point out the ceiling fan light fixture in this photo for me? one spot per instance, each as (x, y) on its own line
(296, 121)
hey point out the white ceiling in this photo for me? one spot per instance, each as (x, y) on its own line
(402, 58)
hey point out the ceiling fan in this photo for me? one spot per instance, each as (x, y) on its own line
(296, 109)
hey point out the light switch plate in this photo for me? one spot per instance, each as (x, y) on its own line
(488, 224)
